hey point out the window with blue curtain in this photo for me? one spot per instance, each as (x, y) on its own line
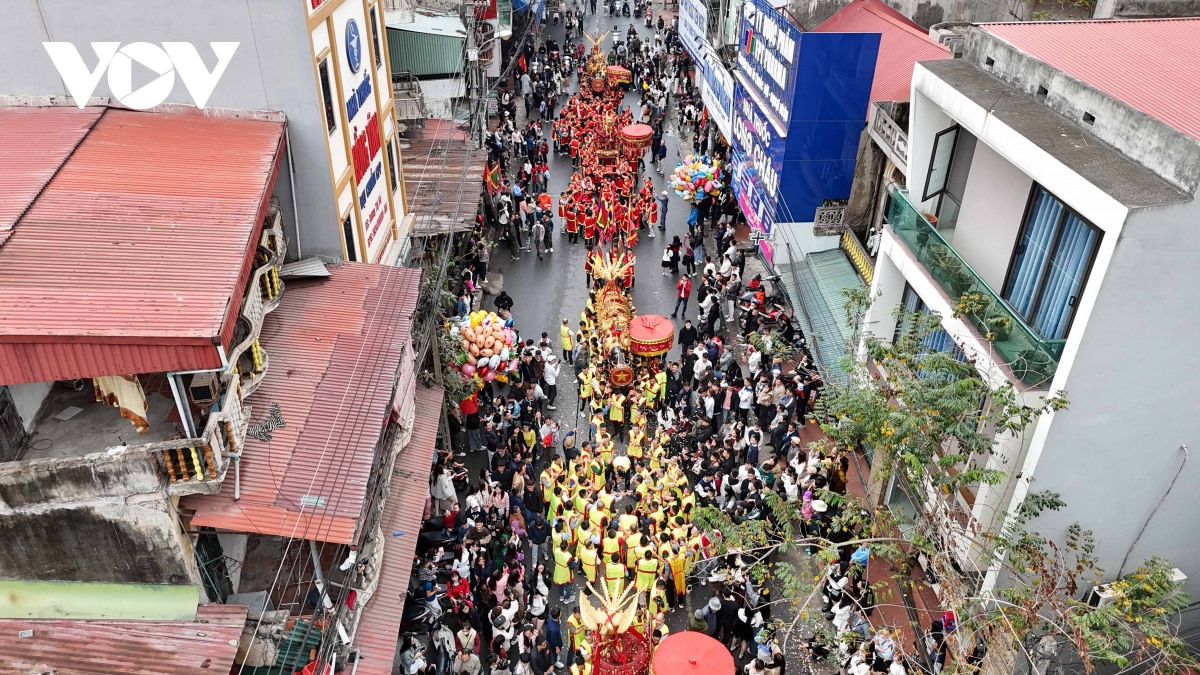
(936, 341)
(1050, 265)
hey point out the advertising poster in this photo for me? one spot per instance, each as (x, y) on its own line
(717, 92)
(756, 156)
(693, 28)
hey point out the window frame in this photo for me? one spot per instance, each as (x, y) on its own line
(348, 238)
(1058, 232)
(375, 35)
(393, 178)
(326, 92)
(932, 154)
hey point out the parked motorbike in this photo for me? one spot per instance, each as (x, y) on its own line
(649, 19)
(773, 308)
(417, 618)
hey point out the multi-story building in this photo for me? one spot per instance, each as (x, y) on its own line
(171, 416)
(322, 63)
(1060, 187)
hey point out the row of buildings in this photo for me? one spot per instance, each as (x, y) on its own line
(211, 227)
(1051, 168)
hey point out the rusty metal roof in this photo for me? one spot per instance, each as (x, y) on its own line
(134, 257)
(1140, 62)
(335, 348)
(378, 628)
(34, 142)
(902, 44)
(433, 179)
(206, 645)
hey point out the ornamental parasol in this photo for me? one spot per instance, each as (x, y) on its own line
(691, 653)
(620, 74)
(651, 335)
(637, 136)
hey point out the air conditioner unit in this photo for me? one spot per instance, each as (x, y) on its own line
(1101, 595)
(203, 389)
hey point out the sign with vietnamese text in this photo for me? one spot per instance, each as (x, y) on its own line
(693, 28)
(363, 123)
(717, 91)
(756, 157)
(768, 49)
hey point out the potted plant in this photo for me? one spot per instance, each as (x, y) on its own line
(999, 327)
(960, 280)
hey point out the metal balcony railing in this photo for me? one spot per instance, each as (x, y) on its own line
(1031, 358)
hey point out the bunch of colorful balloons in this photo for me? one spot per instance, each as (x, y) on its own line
(696, 178)
(486, 342)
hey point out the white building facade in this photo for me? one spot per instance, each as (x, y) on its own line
(1063, 194)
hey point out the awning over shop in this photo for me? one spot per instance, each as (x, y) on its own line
(335, 348)
(204, 645)
(126, 237)
(378, 628)
(434, 181)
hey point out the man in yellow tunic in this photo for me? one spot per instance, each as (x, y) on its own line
(647, 571)
(562, 572)
(614, 575)
(587, 560)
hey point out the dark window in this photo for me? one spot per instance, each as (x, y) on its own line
(1089, 118)
(326, 95)
(989, 62)
(391, 166)
(348, 231)
(1050, 265)
(375, 37)
(1042, 93)
(939, 162)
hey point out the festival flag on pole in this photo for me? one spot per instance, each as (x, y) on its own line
(750, 41)
(491, 174)
(521, 64)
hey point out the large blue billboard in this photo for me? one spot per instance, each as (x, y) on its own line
(796, 129)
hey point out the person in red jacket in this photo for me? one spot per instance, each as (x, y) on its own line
(683, 291)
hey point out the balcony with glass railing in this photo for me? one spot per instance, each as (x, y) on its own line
(1030, 358)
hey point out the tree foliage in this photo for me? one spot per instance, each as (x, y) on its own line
(932, 420)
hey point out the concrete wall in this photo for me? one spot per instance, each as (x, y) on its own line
(990, 218)
(28, 399)
(1113, 453)
(105, 517)
(271, 70)
(1173, 156)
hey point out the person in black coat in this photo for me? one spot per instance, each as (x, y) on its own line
(687, 335)
(726, 618)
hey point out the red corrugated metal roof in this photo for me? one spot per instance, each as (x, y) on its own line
(1143, 63)
(380, 622)
(902, 44)
(134, 257)
(335, 347)
(34, 142)
(204, 646)
(433, 171)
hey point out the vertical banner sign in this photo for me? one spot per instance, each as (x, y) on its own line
(717, 91)
(768, 50)
(366, 146)
(693, 27)
(757, 159)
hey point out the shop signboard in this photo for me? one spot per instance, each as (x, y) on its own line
(756, 158)
(717, 91)
(768, 52)
(799, 106)
(363, 124)
(693, 27)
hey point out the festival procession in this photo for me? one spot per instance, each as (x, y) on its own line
(588, 441)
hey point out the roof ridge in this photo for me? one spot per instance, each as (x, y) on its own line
(1089, 21)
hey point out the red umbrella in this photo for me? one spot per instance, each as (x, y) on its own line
(691, 653)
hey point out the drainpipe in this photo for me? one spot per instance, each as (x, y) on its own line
(237, 475)
(185, 413)
(292, 181)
